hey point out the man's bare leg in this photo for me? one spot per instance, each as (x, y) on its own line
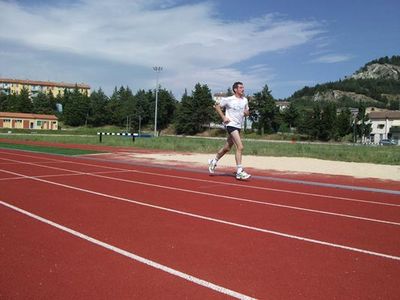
(235, 136)
(227, 147)
(212, 163)
(240, 173)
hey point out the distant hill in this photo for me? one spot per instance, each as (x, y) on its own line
(377, 83)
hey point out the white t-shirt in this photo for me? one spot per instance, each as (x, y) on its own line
(234, 110)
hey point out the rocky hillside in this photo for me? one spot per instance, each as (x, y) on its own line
(378, 71)
(377, 84)
(337, 95)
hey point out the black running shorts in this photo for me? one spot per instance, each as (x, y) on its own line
(231, 129)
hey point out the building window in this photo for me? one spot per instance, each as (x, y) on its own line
(381, 126)
(39, 123)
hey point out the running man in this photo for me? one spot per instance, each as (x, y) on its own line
(236, 108)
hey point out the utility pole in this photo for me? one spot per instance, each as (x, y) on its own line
(140, 123)
(157, 70)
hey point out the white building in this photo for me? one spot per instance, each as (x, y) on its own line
(384, 125)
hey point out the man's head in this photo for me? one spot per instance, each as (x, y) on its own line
(238, 89)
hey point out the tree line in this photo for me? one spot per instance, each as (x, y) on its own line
(192, 114)
(323, 121)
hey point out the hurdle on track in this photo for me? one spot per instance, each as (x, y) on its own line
(133, 135)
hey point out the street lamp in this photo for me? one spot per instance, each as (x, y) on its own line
(157, 70)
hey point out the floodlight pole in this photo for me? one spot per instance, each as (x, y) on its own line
(157, 70)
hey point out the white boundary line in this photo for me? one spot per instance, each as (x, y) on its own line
(131, 255)
(63, 175)
(217, 195)
(281, 234)
(217, 182)
(49, 161)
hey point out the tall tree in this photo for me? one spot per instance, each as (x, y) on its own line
(4, 102)
(23, 102)
(305, 121)
(264, 111)
(129, 108)
(203, 107)
(363, 125)
(328, 127)
(344, 122)
(76, 109)
(143, 101)
(184, 123)
(195, 111)
(290, 115)
(115, 108)
(42, 104)
(97, 109)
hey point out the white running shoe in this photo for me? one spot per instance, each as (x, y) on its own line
(212, 164)
(242, 175)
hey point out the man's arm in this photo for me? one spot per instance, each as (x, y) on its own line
(246, 111)
(221, 114)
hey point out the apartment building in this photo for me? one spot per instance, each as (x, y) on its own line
(14, 86)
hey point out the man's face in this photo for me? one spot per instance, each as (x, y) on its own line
(240, 90)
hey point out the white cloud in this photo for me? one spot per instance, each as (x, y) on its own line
(190, 41)
(332, 58)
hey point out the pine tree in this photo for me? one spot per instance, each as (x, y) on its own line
(314, 123)
(115, 109)
(52, 102)
(291, 115)
(203, 103)
(97, 109)
(42, 104)
(328, 129)
(363, 126)
(4, 102)
(23, 102)
(76, 109)
(184, 123)
(143, 100)
(343, 123)
(306, 122)
(264, 111)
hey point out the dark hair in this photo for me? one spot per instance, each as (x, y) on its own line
(235, 85)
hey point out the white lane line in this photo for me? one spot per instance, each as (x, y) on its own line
(131, 255)
(222, 196)
(40, 176)
(64, 175)
(37, 162)
(220, 221)
(221, 183)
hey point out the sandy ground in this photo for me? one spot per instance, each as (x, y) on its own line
(285, 164)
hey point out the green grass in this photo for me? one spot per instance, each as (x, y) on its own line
(52, 150)
(341, 152)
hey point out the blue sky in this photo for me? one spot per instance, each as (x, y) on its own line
(285, 44)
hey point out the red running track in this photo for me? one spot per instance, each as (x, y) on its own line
(119, 230)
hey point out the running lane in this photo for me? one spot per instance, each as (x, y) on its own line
(255, 263)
